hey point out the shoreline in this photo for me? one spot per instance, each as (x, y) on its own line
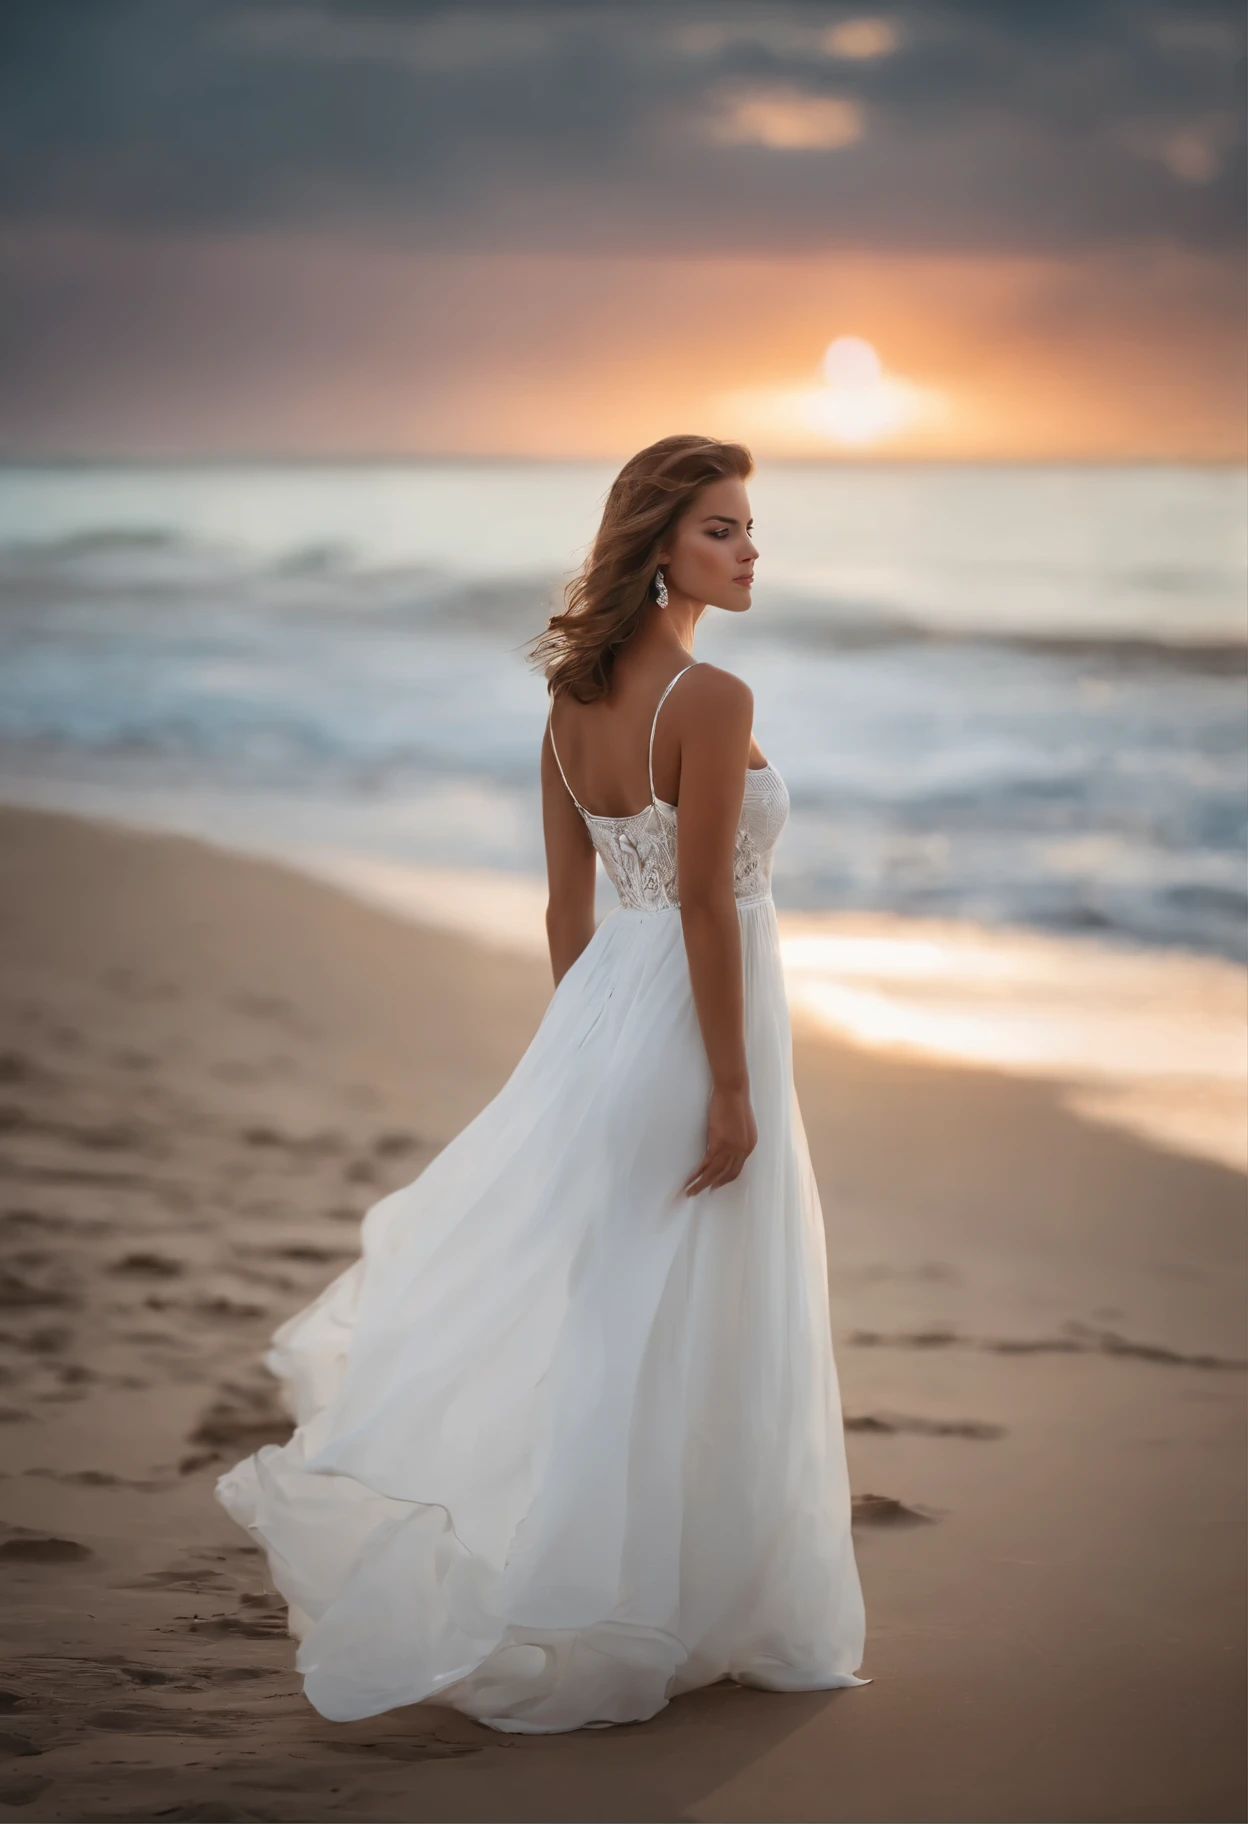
(214, 1064)
(1146, 1040)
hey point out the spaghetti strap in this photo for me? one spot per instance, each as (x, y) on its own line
(654, 724)
(550, 730)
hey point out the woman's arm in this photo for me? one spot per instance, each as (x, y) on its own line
(716, 723)
(570, 865)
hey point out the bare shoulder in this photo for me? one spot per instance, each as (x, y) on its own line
(714, 698)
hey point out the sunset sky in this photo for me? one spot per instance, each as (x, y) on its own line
(946, 228)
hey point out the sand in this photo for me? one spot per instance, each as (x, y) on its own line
(211, 1066)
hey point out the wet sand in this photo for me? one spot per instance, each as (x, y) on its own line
(209, 1068)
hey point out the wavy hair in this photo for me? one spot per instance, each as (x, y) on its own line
(603, 603)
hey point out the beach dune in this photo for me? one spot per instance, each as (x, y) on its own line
(211, 1066)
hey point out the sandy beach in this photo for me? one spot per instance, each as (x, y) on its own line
(212, 1065)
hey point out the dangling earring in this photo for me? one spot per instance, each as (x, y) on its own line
(660, 589)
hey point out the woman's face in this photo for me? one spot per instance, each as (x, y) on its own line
(710, 555)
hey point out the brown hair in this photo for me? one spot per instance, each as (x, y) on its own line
(603, 603)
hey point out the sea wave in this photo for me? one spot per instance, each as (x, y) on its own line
(162, 573)
(979, 714)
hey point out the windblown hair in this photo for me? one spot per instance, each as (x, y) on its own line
(603, 603)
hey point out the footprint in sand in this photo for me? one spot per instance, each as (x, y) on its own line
(910, 1339)
(308, 1253)
(1076, 1339)
(148, 1265)
(179, 1577)
(32, 1219)
(263, 1136)
(410, 1748)
(197, 1459)
(155, 1719)
(395, 1145)
(261, 1624)
(242, 1420)
(43, 1548)
(14, 1746)
(886, 1424)
(18, 1293)
(47, 1340)
(228, 1309)
(219, 1309)
(93, 1478)
(24, 1793)
(885, 1510)
(228, 1675)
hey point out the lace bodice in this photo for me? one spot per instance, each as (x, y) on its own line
(639, 851)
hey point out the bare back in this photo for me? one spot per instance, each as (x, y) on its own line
(603, 747)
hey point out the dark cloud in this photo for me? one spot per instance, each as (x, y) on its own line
(688, 128)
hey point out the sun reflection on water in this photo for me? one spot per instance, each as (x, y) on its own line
(1148, 1040)
(1153, 1041)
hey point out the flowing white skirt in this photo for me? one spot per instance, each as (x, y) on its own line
(568, 1442)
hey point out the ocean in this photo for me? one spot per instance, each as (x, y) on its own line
(1009, 701)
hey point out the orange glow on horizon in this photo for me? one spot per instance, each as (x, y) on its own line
(858, 404)
(395, 352)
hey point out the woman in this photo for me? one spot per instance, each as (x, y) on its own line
(569, 1437)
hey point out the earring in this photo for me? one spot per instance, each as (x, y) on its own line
(660, 589)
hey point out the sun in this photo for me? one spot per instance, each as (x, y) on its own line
(859, 403)
(855, 404)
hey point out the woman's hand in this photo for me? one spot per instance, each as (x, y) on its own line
(731, 1136)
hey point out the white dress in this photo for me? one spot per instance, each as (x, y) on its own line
(569, 1442)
